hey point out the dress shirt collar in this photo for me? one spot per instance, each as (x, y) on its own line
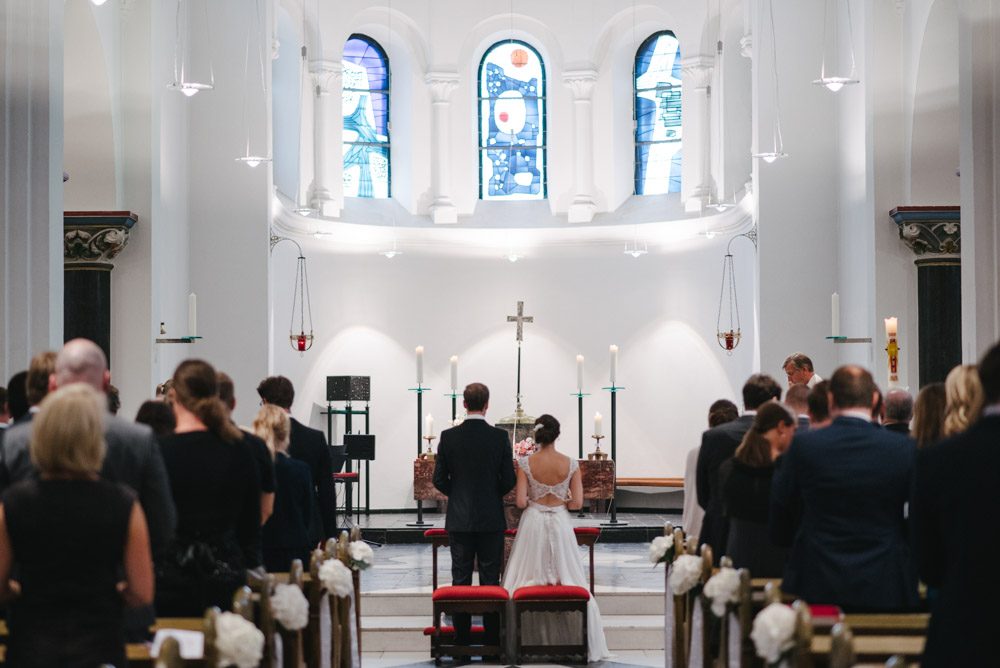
(750, 411)
(475, 416)
(857, 413)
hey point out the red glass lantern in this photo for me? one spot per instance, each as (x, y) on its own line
(302, 343)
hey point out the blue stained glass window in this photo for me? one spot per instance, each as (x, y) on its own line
(511, 123)
(366, 118)
(658, 115)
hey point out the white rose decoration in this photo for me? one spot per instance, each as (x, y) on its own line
(290, 607)
(722, 589)
(362, 555)
(336, 577)
(238, 641)
(773, 630)
(686, 574)
(659, 547)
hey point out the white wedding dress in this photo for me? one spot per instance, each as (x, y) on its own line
(545, 552)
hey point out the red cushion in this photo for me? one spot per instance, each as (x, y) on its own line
(510, 532)
(450, 630)
(587, 531)
(550, 592)
(470, 593)
(825, 611)
(345, 476)
(431, 533)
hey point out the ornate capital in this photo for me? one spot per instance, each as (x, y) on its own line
(698, 70)
(95, 237)
(580, 82)
(325, 75)
(930, 230)
(746, 46)
(441, 85)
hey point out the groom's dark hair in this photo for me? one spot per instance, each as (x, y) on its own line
(476, 397)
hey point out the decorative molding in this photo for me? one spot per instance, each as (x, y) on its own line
(580, 82)
(746, 46)
(95, 238)
(441, 85)
(325, 75)
(698, 70)
(930, 231)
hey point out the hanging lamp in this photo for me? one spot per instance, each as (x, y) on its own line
(777, 148)
(182, 64)
(254, 29)
(729, 340)
(300, 300)
(835, 83)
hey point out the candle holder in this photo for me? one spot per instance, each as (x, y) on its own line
(454, 404)
(614, 389)
(580, 394)
(429, 454)
(420, 389)
(597, 454)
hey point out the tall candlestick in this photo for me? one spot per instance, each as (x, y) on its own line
(579, 372)
(835, 308)
(598, 420)
(192, 315)
(429, 425)
(420, 365)
(614, 364)
(454, 373)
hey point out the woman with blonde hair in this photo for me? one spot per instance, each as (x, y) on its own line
(285, 535)
(72, 537)
(963, 399)
(216, 488)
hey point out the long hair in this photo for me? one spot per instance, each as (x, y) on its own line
(755, 449)
(272, 425)
(196, 389)
(928, 415)
(963, 398)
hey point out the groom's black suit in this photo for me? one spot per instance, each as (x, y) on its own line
(475, 469)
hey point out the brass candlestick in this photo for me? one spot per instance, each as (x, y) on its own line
(428, 454)
(597, 454)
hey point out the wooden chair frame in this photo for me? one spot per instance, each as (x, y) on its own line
(550, 605)
(439, 645)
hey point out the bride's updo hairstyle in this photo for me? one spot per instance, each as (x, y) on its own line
(546, 429)
(196, 388)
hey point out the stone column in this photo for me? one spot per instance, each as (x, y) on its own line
(91, 240)
(328, 149)
(696, 73)
(933, 233)
(441, 85)
(581, 83)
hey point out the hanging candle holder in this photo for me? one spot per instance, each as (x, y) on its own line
(300, 341)
(729, 339)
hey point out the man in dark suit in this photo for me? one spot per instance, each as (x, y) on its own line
(307, 445)
(837, 498)
(956, 495)
(898, 411)
(475, 469)
(719, 444)
(797, 399)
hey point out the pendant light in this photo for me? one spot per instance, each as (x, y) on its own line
(254, 32)
(182, 46)
(834, 83)
(777, 148)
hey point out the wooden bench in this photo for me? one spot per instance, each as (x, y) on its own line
(550, 598)
(472, 600)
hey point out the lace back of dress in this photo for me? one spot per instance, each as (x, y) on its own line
(537, 490)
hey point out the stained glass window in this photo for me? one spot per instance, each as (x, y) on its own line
(658, 115)
(366, 118)
(511, 123)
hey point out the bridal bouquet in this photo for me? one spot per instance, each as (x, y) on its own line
(238, 642)
(336, 577)
(524, 448)
(662, 549)
(361, 555)
(723, 589)
(290, 607)
(773, 631)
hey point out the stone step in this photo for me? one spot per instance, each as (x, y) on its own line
(418, 602)
(401, 633)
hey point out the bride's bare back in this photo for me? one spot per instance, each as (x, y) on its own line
(549, 467)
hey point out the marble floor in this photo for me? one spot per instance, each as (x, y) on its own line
(628, 659)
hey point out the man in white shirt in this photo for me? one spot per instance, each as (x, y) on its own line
(799, 369)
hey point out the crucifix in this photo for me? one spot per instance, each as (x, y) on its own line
(520, 319)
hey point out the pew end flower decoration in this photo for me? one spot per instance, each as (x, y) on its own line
(361, 554)
(290, 607)
(773, 633)
(336, 577)
(723, 590)
(661, 550)
(686, 575)
(238, 642)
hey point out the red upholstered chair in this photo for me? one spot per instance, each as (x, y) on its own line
(476, 600)
(551, 598)
(439, 538)
(588, 536)
(346, 479)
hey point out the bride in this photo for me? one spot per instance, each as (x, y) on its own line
(545, 551)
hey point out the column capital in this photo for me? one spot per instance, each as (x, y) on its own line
(95, 237)
(441, 85)
(580, 82)
(930, 231)
(698, 70)
(325, 74)
(746, 46)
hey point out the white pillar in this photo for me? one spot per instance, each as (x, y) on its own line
(328, 128)
(441, 85)
(696, 186)
(581, 83)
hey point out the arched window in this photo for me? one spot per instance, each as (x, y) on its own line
(658, 115)
(511, 122)
(366, 118)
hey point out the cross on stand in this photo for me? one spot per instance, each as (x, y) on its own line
(520, 319)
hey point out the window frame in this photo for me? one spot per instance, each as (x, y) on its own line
(387, 91)
(636, 144)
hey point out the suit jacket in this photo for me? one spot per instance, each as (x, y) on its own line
(474, 469)
(803, 423)
(956, 496)
(898, 427)
(717, 445)
(309, 445)
(133, 458)
(288, 528)
(849, 484)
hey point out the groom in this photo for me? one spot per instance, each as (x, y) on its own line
(475, 469)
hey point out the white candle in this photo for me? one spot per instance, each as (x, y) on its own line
(420, 365)
(192, 315)
(614, 364)
(454, 373)
(835, 308)
(598, 419)
(579, 372)
(891, 327)
(429, 425)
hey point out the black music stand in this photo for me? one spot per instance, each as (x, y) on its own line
(359, 448)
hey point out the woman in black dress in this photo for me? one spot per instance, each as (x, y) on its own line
(71, 536)
(746, 491)
(286, 532)
(216, 489)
